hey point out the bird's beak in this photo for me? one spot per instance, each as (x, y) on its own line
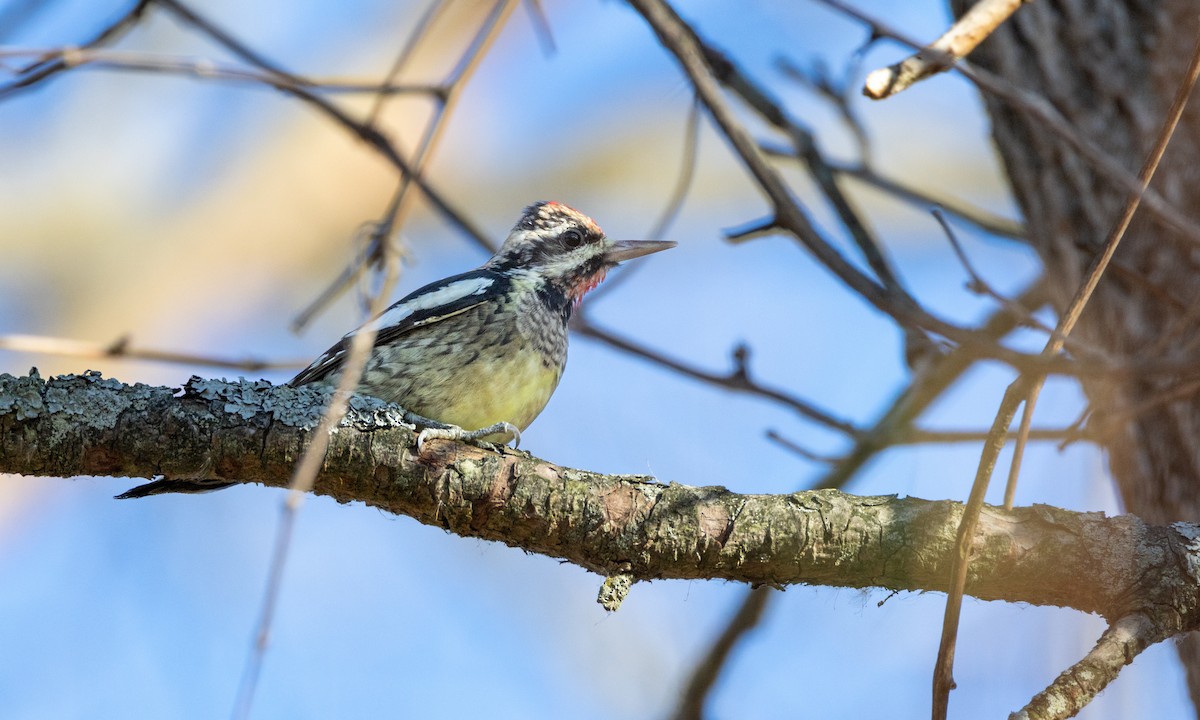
(622, 250)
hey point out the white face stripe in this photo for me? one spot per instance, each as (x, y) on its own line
(428, 301)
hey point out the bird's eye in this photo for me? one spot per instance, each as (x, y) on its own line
(572, 239)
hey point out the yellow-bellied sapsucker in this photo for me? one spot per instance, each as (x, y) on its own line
(478, 355)
(484, 350)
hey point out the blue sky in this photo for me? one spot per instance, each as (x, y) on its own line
(201, 217)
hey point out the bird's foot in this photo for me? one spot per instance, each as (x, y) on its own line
(435, 430)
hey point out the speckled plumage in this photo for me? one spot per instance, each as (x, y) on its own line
(499, 360)
(489, 345)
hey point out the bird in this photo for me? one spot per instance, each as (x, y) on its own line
(476, 356)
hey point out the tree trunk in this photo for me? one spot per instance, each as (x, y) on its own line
(1112, 67)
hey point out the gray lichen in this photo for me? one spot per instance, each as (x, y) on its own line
(22, 396)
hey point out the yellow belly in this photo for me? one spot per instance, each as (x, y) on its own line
(512, 389)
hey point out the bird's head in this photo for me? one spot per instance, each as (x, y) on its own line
(566, 248)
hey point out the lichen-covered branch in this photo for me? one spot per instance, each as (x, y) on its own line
(628, 528)
(612, 524)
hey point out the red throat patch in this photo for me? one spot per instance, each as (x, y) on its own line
(587, 285)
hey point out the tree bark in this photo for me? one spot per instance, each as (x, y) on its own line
(1111, 67)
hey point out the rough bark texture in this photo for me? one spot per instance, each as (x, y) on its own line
(627, 526)
(1111, 67)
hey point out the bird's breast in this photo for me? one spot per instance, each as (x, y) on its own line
(513, 387)
(499, 361)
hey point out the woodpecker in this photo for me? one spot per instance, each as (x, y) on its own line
(478, 355)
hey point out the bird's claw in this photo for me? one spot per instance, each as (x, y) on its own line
(453, 432)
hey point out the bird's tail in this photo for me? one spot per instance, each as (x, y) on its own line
(160, 487)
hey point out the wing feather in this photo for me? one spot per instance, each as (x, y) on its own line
(428, 305)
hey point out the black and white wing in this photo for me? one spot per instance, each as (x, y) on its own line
(436, 301)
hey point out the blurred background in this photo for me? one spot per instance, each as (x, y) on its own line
(201, 216)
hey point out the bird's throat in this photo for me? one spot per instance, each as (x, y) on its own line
(585, 284)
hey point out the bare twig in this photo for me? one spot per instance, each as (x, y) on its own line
(926, 387)
(818, 78)
(798, 449)
(984, 220)
(977, 284)
(980, 218)
(964, 36)
(943, 678)
(725, 71)
(747, 617)
(206, 69)
(737, 380)
(921, 436)
(122, 348)
(303, 478)
(541, 25)
(422, 26)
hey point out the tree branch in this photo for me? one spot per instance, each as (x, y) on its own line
(253, 432)
(962, 37)
(623, 526)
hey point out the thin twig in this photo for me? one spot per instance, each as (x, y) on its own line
(725, 71)
(926, 387)
(422, 26)
(747, 617)
(206, 69)
(122, 349)
(943, 678)
(980, 218)
(737, 380)
(798, 449)
(977, 284)
(541, 25)
(818, 79)
(683, 184)
(303, 478)
(921, 436)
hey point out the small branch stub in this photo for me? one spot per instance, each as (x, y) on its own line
(613, 591)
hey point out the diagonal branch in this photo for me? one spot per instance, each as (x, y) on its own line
(964, 36)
